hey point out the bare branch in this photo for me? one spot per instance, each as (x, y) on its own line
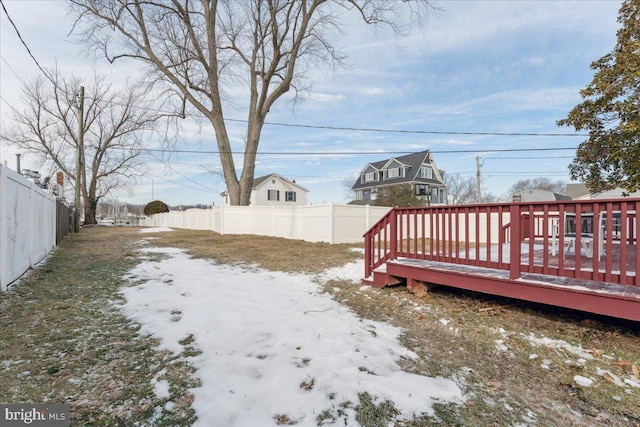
(113, 130)
(202, 50)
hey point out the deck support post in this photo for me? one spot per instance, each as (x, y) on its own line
(514, 242)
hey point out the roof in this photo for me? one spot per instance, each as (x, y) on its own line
(412, 161)
(576, 190)
(541, 195)
(258, 181)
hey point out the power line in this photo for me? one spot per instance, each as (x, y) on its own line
(13, 71)
(529, 158)
(378, 130)
(359, 153)
(418, 132)
(22, 40)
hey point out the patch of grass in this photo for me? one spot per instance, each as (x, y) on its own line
(368, 414)
(455, 335)
(65, 341)
(270, 253)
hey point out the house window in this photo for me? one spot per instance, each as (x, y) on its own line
(274, 195)
(368, 177)
(290, 196)
(421, 190)
(426, 172)
(434, 195)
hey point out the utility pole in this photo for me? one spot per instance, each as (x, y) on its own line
(478, 193)
(76, 218)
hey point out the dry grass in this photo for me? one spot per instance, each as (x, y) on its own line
(270, 253)
(456, 335)
(66, 343)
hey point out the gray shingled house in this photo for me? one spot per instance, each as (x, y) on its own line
(417, 170)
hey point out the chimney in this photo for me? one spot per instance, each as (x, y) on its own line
(18, 163)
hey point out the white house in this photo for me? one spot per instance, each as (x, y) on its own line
(274, 190)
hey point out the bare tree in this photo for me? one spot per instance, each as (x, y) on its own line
(464, 191)
(113, 130)
(198, 50)
(347, 185)
(540, 183)
(461, 190)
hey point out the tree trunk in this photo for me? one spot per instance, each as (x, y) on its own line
(90, 207)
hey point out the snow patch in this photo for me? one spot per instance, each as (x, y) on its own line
(582, 381)
(274, 344)
(155, 230)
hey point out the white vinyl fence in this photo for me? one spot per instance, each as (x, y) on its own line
(317, 223)
(27, 225)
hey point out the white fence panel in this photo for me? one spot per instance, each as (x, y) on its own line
(316, 223)
(27, 225)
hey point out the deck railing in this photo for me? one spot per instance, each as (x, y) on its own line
(587, 240)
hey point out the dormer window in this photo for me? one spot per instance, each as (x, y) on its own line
(394, 173)
(426, 172)
(369, 177)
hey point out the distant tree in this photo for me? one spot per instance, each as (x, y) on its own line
(114, 125)
(610, 158)
(347, 186)
(201, 51)
(461, 190)
(488, 197)
(398, 195)
(464, 191)
(541, 183)
(157, 206)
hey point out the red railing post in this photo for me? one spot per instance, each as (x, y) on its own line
(515, 243)
(367, 253)
(393, 238)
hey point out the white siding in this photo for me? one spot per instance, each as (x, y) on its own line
(260, 194)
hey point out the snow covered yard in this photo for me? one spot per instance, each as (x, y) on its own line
(66, 340)
(271, 347)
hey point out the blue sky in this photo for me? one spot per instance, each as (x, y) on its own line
(477, 66)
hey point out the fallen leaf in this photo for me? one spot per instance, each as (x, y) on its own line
(608, 377)
(636, 372)
(493, 385)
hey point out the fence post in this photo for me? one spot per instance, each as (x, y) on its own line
(222, 214)
(32, 220)
(514, 242)
(367, 211)
(331, 223)
(299, 214)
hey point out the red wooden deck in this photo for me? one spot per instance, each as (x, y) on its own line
(577, 254)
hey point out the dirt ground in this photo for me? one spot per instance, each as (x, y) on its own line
(519, 364)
